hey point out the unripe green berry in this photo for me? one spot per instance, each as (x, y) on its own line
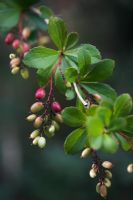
(107, 165)
(107, 182)
(38, 122)
(58, 118)
(35, 141)
(36, 107)
(108, 174)
(31, 118)
(24, 73)
(41, 142)
(12, 55)
(51, 129)
(34, 134)
(56, 125)
(49, 134)
(68, 84)
(15, 70)
(92, 173)
(98, 187)
(130, 168)
(85, 153)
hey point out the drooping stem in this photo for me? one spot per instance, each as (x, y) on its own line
(85, 103)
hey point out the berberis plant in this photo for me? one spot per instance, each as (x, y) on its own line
(101, 119)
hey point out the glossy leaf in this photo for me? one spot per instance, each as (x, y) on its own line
(123, 105)
(104, 90)
(104, 114)
(95, 132)
(110, 143)
(75, 141)
(124, 143)
(117, 124)
(71, 41)
(129, 120)
(84, 60)
(100, 71)
(73, 117)
(71, 74)
(57, 31)
(46, 12)
(41, 57)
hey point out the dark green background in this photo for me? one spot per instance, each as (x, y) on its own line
(28, 173)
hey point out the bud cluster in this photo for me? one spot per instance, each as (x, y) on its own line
(45, 117)
(102, 170)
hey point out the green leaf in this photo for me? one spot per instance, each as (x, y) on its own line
(124, 143)
(93, 51)
(46, 12)
(9, 15)
(59, 77)
(70, 94)
(117, 124)
(43, 75)
(95, 132)
(104, 114)
(73, 117)
(71, 41)
(100, 71)
(129, 120)
(110, 144)
(84, 60)
(41, 57)
(104, 90)
(75, 141)
(123, 105)
(71, 74)
(57, 31)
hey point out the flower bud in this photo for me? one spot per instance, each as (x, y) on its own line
(25, 47)
(9, 38)
(16, 44)
(56, 107)
(103, 191)
(36, 107)
(58, 118)
(108, 174)
(92, 173)
(26, 33)
(107, 182)
(15, 70)
(24, 73)
(31, 118)
(15, 61)
(85, 153)
(34, 134)
(130, 168)
(40, 93)
(38, 122)
(12, 55)
(41, 142)
(56, 125)
(107, 165)
(35, 141)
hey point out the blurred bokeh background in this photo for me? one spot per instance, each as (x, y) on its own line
(28, 173)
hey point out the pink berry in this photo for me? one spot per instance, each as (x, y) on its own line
(25, 47)
(56, 107)
(40, 93)
(9, 38)
(16, 44)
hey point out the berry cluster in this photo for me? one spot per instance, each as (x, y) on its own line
(45, 117)
(20, 45)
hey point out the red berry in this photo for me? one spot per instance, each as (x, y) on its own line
(25, 47)
(9, 38)
(40, 93)
(56, 107)
(16, 44)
